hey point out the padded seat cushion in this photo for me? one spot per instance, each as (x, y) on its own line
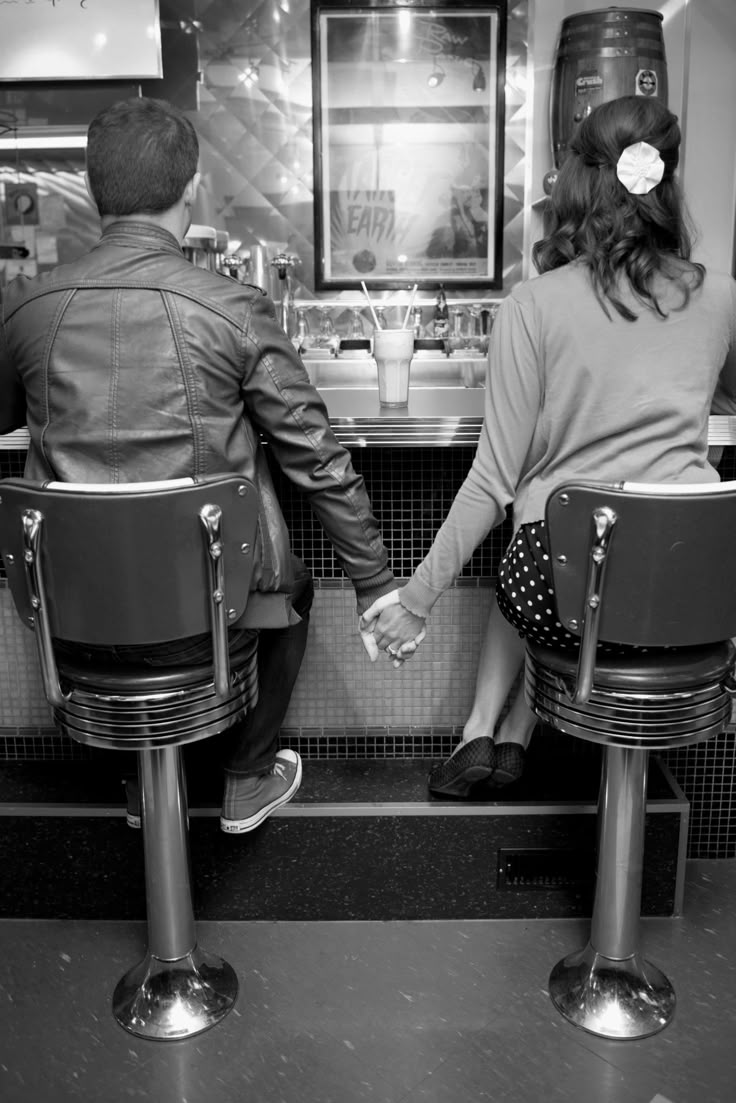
(642, 670)
(129, 678)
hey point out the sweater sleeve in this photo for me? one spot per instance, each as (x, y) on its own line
(512, 403)
(724, 399)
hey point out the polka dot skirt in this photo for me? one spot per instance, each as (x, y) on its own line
(526, 596)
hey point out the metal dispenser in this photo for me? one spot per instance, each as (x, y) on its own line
(282, 263)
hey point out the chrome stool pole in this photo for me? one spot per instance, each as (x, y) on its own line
(608, 988)
(177, 990)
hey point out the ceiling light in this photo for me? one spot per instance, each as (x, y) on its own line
(479, 80)
(44, 138)
(250, 74)
(435, 78)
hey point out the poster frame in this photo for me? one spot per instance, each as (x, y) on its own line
(354, 66)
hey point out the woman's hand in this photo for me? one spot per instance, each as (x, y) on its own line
(392, 628)
(396, 629)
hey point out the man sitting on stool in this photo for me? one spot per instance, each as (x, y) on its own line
(130, 365)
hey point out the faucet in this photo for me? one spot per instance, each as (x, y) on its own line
(283, 262)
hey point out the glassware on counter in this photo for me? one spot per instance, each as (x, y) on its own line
(302, 339)
(356, 343)
(475, 339)
(326, 337)
(357, 328)
(441, 318)
(393, 350)
(458, 329)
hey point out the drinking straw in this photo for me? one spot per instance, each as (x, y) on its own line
(370, 304)
(411, 304)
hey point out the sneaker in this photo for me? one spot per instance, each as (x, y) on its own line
(249, 800)
(133, 802)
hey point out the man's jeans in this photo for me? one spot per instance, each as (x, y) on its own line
(250, 745)
(252, 742)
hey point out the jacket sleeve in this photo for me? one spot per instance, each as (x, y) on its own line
(282, 403)
(512, 404)
(12, 395)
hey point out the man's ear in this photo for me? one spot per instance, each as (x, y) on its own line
(89, 190)
(190, 191)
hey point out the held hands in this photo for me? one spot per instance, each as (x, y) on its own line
(389, 627)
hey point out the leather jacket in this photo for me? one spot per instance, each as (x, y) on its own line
(132, 364)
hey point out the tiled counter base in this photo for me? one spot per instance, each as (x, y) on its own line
(347, 710)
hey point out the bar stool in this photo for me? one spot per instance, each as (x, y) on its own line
(139, 565)
(649, 566)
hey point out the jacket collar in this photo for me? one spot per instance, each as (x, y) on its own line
(139, 235)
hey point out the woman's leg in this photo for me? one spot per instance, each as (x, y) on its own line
(499, 665)
(474, 758)
(518, 723)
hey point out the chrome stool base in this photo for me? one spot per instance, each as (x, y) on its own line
(614, 999)
(166, 1000)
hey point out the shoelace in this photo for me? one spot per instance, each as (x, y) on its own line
(280, 769)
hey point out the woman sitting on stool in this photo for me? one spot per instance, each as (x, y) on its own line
(603, 368)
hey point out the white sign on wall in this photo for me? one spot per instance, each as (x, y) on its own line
(79, 39)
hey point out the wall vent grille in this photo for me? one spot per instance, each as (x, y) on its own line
(545, 868)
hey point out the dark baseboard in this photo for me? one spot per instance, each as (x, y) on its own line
(363, 840)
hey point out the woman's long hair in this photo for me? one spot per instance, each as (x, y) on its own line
(597, 221)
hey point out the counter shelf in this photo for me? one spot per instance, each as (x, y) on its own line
(435, 416)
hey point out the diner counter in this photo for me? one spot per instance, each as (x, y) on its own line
(445, 406)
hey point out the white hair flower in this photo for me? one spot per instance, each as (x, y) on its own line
(640, 168)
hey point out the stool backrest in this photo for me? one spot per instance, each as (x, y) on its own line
(138, 564)
(642, 564)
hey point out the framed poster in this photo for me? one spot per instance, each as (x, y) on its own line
(408, 143)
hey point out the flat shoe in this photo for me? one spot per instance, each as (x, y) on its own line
(472, 762)
(509, 764)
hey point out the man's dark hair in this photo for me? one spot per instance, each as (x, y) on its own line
(141, 153)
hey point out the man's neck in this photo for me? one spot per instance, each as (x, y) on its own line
(168, 220)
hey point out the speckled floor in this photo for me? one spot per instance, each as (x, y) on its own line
(399, 1012)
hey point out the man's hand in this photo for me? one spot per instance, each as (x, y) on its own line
(388, 626)
(365, 626)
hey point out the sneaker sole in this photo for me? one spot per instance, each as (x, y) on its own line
(135, 821)
(239, 827)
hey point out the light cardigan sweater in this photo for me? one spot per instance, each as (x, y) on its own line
(573, 394)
